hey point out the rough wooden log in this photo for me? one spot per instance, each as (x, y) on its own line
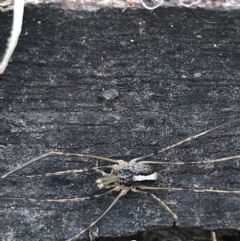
(120, 85)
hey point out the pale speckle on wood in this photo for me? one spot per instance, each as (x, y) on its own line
(94, 5)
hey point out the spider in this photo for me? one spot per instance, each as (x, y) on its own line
(18, 9)
(127, 176)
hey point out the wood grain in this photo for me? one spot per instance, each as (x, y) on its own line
(120, 85)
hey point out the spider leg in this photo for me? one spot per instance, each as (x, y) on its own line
(103, 183)
(16, 30)
(123, 192)
(34, 200)
(153, 7)
(138, 191)
(79, 199)
(62, 200)
(213, 236)
(60, 154)
(73, 171)
(189, 189)
(175, 217)
(216, 191)
(133, 161)
(197, 162)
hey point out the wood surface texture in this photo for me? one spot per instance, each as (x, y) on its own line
(93, 5)
(120, 85)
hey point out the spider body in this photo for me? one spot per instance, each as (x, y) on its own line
(136, 173)
(127, 174)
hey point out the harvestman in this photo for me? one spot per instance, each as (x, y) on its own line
(126, 176)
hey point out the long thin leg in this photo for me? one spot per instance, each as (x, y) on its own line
(123, 192)
(59, 154)
(175, 217)
(16, 30)
(197, 162)
(73, 171)
(189, 189)
(63, 200)
(133, 161)
(213, 236)
(34, 200)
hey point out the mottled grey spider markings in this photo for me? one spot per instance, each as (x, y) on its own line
(128, 176)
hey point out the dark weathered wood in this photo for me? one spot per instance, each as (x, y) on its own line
(119, 85)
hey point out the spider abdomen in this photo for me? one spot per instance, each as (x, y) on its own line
(130, 174)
